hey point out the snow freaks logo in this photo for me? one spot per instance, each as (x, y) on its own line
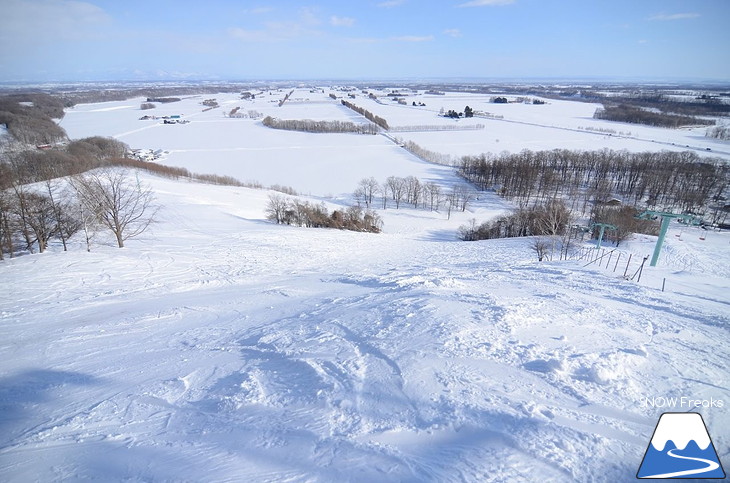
(680, 448)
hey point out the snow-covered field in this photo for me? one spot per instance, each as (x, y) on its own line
(246, 150)
(221, 347)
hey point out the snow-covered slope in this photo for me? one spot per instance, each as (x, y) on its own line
(220, 347)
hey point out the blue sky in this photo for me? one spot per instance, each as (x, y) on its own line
(68, 40)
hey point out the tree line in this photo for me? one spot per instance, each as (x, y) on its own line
(30, 118)
(681, 181)
(410, 190)
(425, 154)
(309, 125)
(293, 211)
(638, 115)
(368, 115)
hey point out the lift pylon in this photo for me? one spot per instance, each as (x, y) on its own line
(666, 218)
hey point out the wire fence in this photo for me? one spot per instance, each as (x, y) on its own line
(628, 266)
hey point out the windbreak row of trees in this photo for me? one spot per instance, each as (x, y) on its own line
(309, 125)
(669, 180)
(293, 211)
(638, 115)
(368, 115)
(425, 154)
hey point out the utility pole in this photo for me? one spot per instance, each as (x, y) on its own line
(666, 217)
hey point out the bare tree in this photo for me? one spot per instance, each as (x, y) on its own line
(368, 188)
(553, 219)
(86, 219)
(276, 208)
(413, 190)
(21, 209)
(65, 226)
(397, 188)
(123, 206)
(6, 231)
(41, 218)
(432, 191)
(541, 247)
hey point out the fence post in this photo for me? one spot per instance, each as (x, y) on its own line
(617, 259)
(627, 264)
(610, 254)
(641, 268)
(664, 281)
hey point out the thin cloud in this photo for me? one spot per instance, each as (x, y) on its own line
(453, 33)
(304, 26)
(486, 3)
(674, 16)
(48, 20)
(342, 21)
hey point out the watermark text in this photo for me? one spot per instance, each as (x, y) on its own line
(682, 402)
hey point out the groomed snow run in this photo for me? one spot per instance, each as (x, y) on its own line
(221, 347)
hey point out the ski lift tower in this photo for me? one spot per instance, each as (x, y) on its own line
(666, 218)
(603, 227)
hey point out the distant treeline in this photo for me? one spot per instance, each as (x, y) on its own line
(638, 115)
(368, 115)
(81, 95)
(671, 180)
(163, 100)
(308, 125)
(700, 106)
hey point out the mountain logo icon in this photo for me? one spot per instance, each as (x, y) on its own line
(681, 448)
